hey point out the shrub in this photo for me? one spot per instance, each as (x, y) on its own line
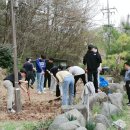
(43, 125)
(90, 125)
(6, 60)
(71, 117)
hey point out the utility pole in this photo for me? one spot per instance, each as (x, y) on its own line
(109, 11)
(17, 89)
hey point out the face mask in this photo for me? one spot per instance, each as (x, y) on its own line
(95, 50)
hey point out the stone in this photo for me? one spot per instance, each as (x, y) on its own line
(100, 126)
(101, 97)
(120, 123)
(102, 119)
(116, 99)
(58, 121)
(75, 113)
(71, 125)
(109, 109)
(81, 128)
(92, 101)
(113, 87)
(81, 108)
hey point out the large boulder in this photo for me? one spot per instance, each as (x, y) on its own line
(71, 125)
(116, 99)
(100, 126)
(98, 97)
(57, 121)
(81, 128)
(92, 101)
(109, 109)
(102, 119)
(81, 108)
(76, 114)
(114, 87)
(101, 97)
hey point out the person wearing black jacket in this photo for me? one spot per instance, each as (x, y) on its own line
(49, 65)
(9, 84)
(28, 66)
(93, 61)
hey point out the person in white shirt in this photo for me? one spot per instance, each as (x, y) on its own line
(78, 73)
(67, 80)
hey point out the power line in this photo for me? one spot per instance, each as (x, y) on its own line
(109, 11)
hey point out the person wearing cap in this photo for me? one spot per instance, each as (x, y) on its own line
(28, 66)
(92, 60)
(127, 80)
(9, 84)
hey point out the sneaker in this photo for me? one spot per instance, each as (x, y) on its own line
(43, 92)
(11, 111)
(39, 92)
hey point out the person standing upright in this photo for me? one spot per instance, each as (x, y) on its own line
(92, 60)
(49, 65)
(40, 68)
(28, 66)
(95, 50)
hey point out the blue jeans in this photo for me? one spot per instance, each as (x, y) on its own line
(68, 88)
(40, 82)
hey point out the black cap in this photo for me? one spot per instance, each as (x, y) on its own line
(90, 47)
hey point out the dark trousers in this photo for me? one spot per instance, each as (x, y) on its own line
(77, 77)
(128, 89)
(93, 77)
(57, 91)
(47, 77)
(30, 76)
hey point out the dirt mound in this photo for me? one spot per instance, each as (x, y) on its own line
(34, 111)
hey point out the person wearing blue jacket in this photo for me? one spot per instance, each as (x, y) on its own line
(40, 67)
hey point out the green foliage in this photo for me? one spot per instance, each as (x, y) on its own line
(96, 108)
(43, 125)
(3, 27)
(10, 126)
(90, 125)
(71, 117)
(29, 126)
(6, 60)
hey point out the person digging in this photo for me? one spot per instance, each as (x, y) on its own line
(8, 83)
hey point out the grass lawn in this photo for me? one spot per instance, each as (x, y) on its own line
(11, 125)
(28, 125)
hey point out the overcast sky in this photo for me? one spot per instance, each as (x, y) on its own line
(123, 9)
